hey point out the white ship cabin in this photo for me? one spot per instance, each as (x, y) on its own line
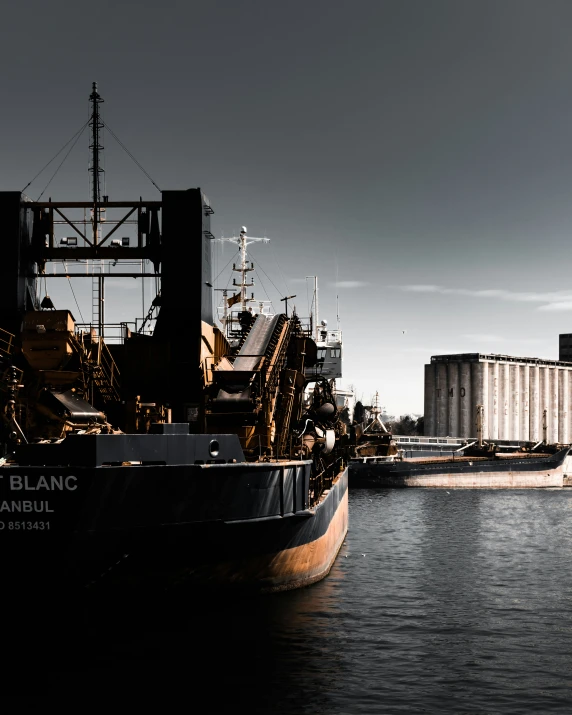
(329, 352)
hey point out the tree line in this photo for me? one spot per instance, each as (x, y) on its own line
(405, 425)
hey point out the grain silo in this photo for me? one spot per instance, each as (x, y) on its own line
(524, 399)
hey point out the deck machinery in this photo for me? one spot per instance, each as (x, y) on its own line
(58, 379)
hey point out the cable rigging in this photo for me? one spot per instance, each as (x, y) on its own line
(266, 292)
(72, 290)
(79, 132)
(279, 270)
(129, 154)
(266, 274)
(61, 163)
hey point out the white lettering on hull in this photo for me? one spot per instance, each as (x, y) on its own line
(61, 483)
(25, 506)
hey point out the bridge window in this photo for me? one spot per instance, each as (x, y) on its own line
(335, 352)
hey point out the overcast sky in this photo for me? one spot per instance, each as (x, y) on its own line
(415, 155)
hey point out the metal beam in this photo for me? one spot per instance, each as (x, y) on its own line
(89, 274)
(75, 228)
(89, 204)
(95, 253)
(114, 229)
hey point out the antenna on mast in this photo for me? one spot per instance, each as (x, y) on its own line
(314, 318)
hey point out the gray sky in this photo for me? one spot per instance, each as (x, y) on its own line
(414, 155)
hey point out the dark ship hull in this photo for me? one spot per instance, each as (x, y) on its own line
(219, 524)
(521, 471)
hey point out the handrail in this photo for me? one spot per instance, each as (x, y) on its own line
(109, 365)
(331, 336)
(115, 333)
(6, 342)
(324, 479)
(108, 380)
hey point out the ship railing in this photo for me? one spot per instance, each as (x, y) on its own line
(331, 336)
(105, 371)
(426, 441)
(324, 335)
(109, 368)
(375, 459)
(115, 333)
(306, 325)
(6, 342)
(323, 480)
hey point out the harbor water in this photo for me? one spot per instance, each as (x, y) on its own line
(440, 601)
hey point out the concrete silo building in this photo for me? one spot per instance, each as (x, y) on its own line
(524, 399)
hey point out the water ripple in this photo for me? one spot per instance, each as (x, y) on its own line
(462, 603)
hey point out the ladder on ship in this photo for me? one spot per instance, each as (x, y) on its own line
(101, 366)
(97, 298)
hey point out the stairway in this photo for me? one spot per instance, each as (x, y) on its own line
(101, 366)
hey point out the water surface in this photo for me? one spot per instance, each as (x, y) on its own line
(439, 602)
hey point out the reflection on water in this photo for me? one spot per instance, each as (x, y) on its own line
(439, 602)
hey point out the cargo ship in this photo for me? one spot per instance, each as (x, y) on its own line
(521, 470)
(379, 458)
(167, 455)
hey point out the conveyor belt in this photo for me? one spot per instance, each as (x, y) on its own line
(256, 343)
(68, 404)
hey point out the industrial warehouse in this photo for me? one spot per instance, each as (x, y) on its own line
(498, 397)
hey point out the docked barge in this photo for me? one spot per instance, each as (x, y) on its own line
(381, 459)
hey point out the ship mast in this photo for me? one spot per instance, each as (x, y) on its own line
(96, 124)
(376, 423)
(316, 327)
(98, 295)
(242, 241)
